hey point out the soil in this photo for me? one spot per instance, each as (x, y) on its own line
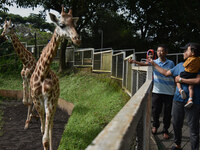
(16, 138)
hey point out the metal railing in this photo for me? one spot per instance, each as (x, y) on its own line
(102, 61)
(118, 65)
(83, 57)
(118, 62)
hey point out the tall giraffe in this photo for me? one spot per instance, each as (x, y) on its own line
(44, 83)
(28, 62)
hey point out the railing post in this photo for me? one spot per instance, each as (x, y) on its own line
(116, 72)
(149, 73)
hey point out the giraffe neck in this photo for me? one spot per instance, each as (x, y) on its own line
(48, 54)
(21, 51)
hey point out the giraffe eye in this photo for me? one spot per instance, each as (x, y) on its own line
(62, 25)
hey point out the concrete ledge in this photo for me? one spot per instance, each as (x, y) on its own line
(18, 94)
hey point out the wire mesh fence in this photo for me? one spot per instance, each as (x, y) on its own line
(118, 62)
(126, 82)
(119, 65)
(83, 57)
(133, 77)
(102, 61)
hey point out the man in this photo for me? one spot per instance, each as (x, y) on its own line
(163, 91)
(178, 109)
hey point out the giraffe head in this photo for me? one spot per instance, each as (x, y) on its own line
(8, 28)
(65, 26)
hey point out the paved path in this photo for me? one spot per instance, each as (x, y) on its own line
(167, 144)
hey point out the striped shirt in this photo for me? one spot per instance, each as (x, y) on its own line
(163, 84)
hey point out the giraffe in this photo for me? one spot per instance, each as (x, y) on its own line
(44, 83)
(28, 62)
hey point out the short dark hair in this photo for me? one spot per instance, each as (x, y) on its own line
(163, 46)
(195, 48)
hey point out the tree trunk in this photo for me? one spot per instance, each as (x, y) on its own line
(62, 58)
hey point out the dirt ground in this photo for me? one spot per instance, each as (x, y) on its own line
(16, 138)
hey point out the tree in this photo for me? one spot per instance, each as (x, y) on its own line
(25, 29)
(85, 9)
(3, 4)
(171, 22)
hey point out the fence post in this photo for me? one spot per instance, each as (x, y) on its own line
(149, 73)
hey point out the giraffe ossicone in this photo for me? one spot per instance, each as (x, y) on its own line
(44, 83)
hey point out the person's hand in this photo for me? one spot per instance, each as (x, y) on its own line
(177, 79)
(151, 61)
(131, 61)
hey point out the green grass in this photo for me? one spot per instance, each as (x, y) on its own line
(97, 99)
(11, 81)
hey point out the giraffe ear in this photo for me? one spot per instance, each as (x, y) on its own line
(53, 18)
(75, 20)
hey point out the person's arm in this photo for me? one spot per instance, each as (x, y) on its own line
(137, 62)
(188, 81)
(160, 69)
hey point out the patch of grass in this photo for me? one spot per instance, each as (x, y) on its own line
(11, 81)
(97, 100)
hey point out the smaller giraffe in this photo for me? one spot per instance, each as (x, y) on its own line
(29, 63)
(44, 82)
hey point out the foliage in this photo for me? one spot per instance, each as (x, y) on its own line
(35, 20)
(171, 22)
(3, 4)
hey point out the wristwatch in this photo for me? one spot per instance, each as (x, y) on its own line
(180, 80)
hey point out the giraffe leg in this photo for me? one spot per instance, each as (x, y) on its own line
(25, 87)
(39, 106)
(50, 111)
(50, 135)
(42, 120)
(51, 130)
(30, 107)
(28, 119)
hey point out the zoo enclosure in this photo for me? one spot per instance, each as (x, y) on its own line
(136, 81)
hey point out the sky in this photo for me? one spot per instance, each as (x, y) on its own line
(25, 12)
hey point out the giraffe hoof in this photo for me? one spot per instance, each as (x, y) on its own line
(45, 143)
(26, 125)
(24, 102)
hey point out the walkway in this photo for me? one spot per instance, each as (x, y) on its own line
(167, 144)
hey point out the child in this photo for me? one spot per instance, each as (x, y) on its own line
(192, 67)
(150, 55)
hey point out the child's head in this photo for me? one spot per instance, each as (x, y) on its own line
(151, 54)
(162, 51)
(191, 49)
